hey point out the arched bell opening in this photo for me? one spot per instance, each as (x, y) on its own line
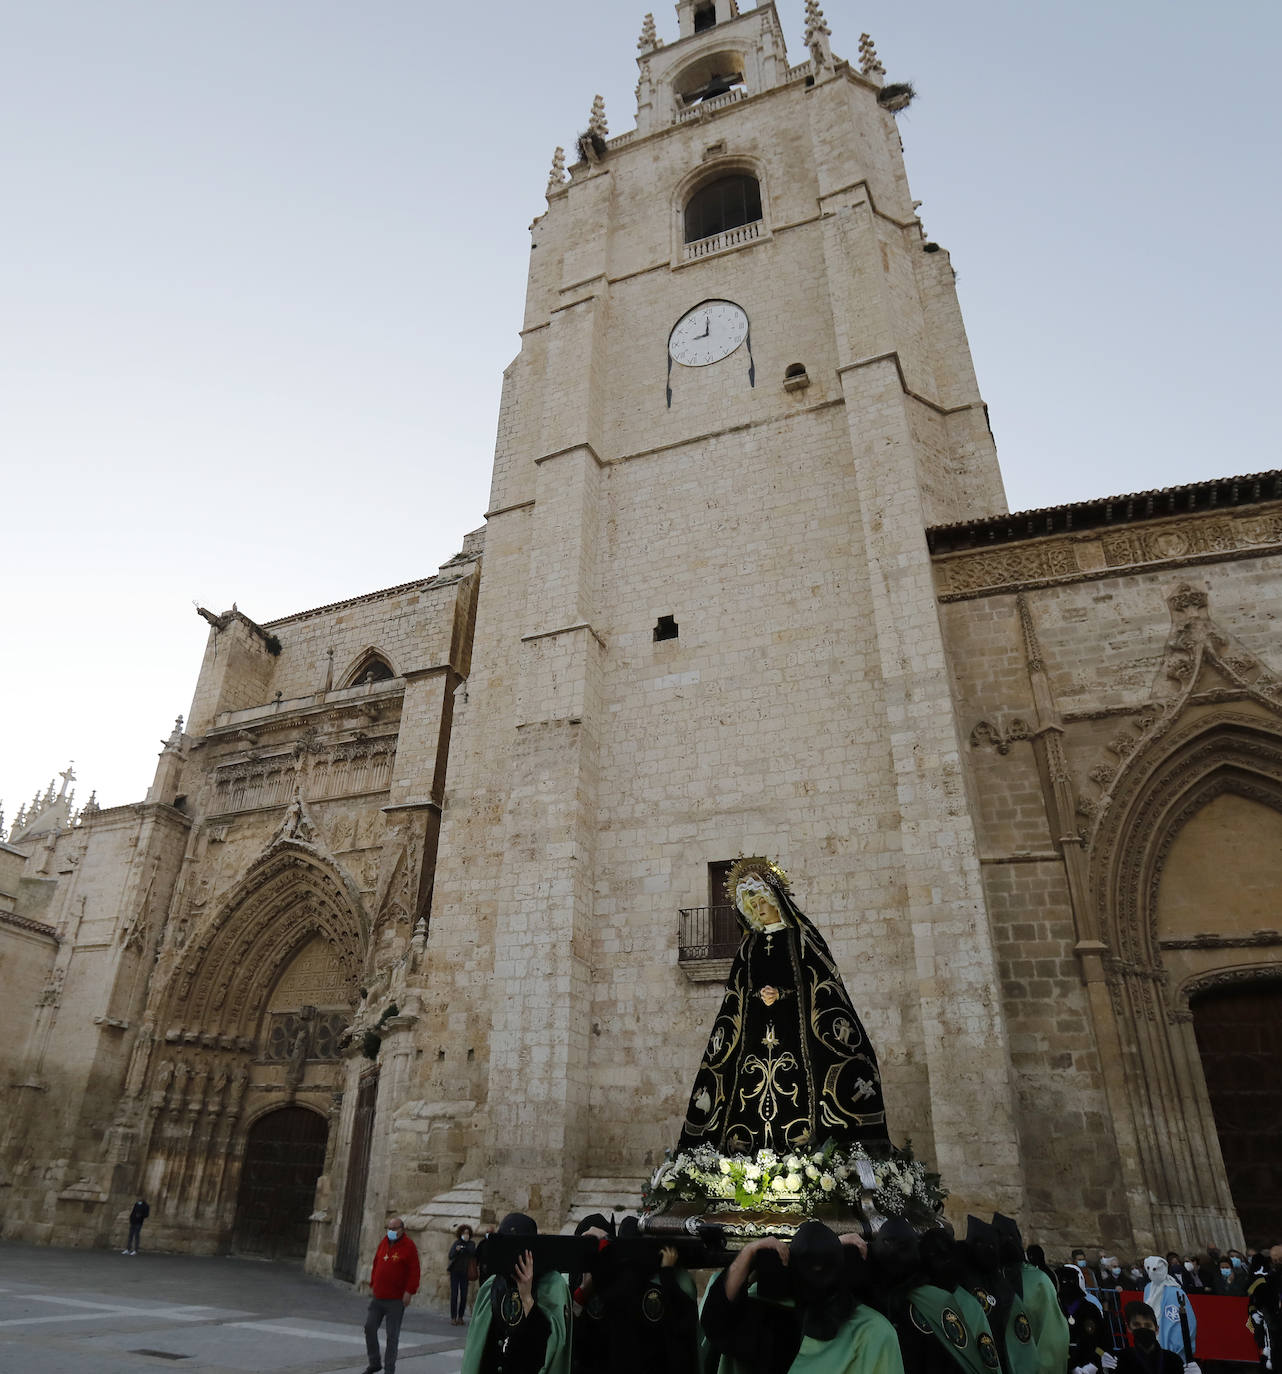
(284, 1156)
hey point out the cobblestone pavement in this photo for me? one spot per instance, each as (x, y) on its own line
(98, 1312)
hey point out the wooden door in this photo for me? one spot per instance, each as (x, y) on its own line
(284, 1156)
(1239, 1034)
(347, 1256)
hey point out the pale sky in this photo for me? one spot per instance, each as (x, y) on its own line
(262, 265)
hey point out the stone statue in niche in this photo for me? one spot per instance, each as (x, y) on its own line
(298, 1051)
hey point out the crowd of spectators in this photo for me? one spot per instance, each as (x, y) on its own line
(1219, 1273)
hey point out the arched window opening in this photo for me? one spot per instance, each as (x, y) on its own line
(705, 17)
(371, 667)
(712, 75)
(723, 204)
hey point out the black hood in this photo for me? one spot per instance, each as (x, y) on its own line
(594, 1219)
(818, 1279)
(518, 1224)
(940, 1259)
(895, 1252)
(981, 1245)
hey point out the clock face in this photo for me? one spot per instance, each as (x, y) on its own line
(707, 334)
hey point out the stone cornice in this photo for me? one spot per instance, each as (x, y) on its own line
(1218, 535)
(1079, 517)
(321, 709)
(441, 579)
(8, 918)
(893, 356)
(131, 811)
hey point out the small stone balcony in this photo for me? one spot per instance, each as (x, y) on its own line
(718, 243)
(707, 941)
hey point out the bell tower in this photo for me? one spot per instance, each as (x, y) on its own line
(707, 624)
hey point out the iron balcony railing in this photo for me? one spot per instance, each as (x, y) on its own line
(708, 932)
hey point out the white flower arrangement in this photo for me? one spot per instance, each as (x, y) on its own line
(797, 1182)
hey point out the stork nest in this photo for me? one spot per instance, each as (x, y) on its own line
(590, 146)
(897, 96)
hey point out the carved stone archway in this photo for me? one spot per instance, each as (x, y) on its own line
(1172, 1164)
(216, 1064)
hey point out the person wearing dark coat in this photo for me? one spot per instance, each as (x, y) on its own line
(137, 1215)
(459, 1263)
(1145, 1356)
(1264, 1307)
(1088, 1332)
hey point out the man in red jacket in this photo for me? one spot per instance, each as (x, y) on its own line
(392, 1282)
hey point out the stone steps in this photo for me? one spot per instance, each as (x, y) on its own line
(604, 1195)
(450, 1209)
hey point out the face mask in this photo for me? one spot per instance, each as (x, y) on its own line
(1136, 1274)
(1145, 1338)
(1081, 1264)
(393, 1236)
(1237, 1263)
(1115, 1271)
(1226, 1273)
(1188, 1266)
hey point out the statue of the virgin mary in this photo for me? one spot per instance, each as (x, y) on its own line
(788, 1065)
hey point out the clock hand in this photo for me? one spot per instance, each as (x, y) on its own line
(707, 324)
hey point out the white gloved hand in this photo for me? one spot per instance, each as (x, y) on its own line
(1090, 1369)
(1192, 1368)
(1108, 1361)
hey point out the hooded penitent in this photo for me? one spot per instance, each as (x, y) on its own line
(1010, 1250)
(817, 1271)
(1165, 1296)
(895, 1253)
(1007, 1316)
(1039, 1293)
(944, 1307)
(499, 1318)
(1084, 1317)
(788, 1064)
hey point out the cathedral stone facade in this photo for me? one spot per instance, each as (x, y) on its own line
(423, 910)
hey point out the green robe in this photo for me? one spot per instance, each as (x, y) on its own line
(975, 1315)
(866, 1344)
(1021, 1348)
(961, 1327)
(1050, 1325)
(552, 1297)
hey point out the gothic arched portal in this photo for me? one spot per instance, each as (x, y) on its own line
(1175, 917)
(284, 1156)
(248, 1023)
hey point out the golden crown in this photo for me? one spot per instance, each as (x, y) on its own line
(765, 869)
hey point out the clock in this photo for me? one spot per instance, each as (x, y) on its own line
(708, 333)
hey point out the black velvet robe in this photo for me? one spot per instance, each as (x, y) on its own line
(793, 1074)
